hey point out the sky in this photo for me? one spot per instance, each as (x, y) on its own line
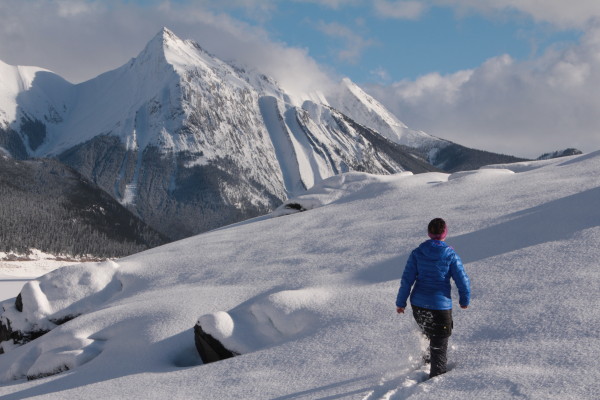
(511, 76)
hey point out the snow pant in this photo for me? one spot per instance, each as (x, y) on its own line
(437, 326)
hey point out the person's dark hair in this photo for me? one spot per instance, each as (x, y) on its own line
(437, 226)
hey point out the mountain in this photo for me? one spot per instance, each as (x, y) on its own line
(190, 143)
(351, 100)
(448, 156)
(49, 206)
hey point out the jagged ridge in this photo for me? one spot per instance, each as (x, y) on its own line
(189, 142)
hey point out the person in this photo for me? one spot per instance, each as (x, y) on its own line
(429, 268)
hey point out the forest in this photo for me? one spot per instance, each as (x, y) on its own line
(50, 207)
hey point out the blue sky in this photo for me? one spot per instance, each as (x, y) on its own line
(359, 43)
(512, 76)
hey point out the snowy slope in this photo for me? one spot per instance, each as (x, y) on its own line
(351, 100)
(314, 292)
(15, 81)
(32, 100)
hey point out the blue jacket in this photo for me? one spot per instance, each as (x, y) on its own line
(430, 267)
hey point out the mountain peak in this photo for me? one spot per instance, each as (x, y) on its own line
(164, 39)
(166, 47)
(166, 36)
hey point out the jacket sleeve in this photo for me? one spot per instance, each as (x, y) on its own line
(408, 279)
(458, 273)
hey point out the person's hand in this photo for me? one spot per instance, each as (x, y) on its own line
(464, 307)
(400, 310)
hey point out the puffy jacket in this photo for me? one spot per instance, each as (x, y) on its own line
(430, 267)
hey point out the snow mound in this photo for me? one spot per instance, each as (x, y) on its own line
(219, 325)
(269, 320)
(338, 188)
(49, 358)
(60, 295)
(482, 174)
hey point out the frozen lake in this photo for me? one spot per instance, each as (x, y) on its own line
(10, 286)
(14, 274)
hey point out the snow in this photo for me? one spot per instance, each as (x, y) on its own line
(14, 274)
(308, 298)
(37, 90)
(351, 100)
(283, 144)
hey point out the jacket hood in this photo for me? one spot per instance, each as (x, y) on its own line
(433, 248)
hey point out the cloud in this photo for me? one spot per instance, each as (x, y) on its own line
(561, 13)
(335, 4)
(573, 14)
(399, 9)
(71, 8)
(520, 108)
(380, 74)
(81, 39)
(354, 44)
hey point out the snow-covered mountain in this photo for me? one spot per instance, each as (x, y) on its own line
(351, 100)
(189, 142)
(308, 299)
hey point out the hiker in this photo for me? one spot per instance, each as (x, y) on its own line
(429, 268)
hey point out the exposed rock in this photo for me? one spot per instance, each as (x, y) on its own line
(295, 206)
(19, 302)
(209, 348)
(50, 373)
(17, 337)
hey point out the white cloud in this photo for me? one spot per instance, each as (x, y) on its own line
(81, 39)
(354, 44)
(381, 74)
(521, 108)
(572, 14)
(72, 8)
(564, 14)
(400, 9)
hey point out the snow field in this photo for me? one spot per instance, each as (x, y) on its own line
(308, 298)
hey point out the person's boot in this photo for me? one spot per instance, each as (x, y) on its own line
(438, 349)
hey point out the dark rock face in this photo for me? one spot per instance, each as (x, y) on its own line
(406, 158)
(295, 206)
(168, 194)
(209, 348)
(5, 332)
(19, 303)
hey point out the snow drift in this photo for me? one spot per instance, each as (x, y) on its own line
(308, 299)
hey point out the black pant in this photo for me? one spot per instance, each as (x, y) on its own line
(437, 326)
